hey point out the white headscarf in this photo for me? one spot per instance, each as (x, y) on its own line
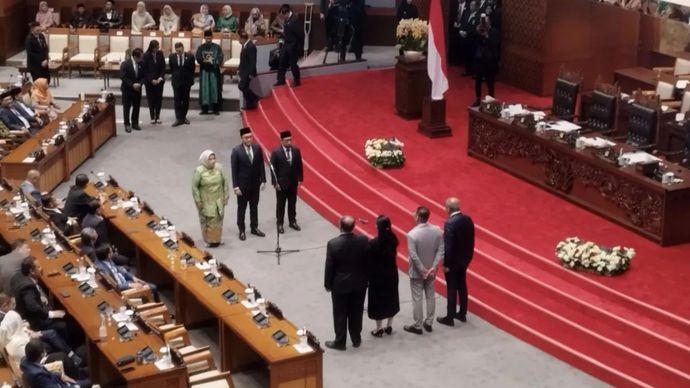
(142, 12)
(203, 159)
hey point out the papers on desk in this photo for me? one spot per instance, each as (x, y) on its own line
(682, 83)
(303, 348)
(163, 364)
(518, 109)
(249, 305)
(562, 126)
(595, 142)
(162, 234)
(630, 158)
(202, 265)
(29, 159)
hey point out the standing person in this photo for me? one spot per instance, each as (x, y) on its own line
(182, 67)
(77, 201)
(286, 162)
(132, 75)
(357, 16)
(211, 194)
(458, 241)
(345, 278)
(154, 70)
(485, 59)
(425, 249)
(37, 53)
(169, 22)
(141, 19)
(247, 71)
(384, 301)
(109, 18)
(407, 10)
(81, 18)
(467, 31)
(248, 179)
(210, 57)
(293, 43)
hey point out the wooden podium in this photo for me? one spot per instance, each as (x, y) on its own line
(412, 84)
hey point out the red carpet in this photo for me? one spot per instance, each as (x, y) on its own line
(627, 330)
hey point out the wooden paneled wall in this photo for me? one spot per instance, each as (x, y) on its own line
(13, 28)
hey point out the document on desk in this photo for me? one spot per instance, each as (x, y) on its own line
(29, 159)
(638, 157)
(303, 348)
(562, 126)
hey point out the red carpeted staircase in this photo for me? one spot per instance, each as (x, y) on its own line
(620, 339)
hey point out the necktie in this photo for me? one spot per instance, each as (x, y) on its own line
(250, 154)
(179, 60)
(136, 72)
(44, 297)
(288, 155)
(116, 273)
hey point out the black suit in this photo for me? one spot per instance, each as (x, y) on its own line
(182, 70)
(345, 277)
(154, 68)
(131, 98)
(13, 122)
(105, 22)
(37, 52)
(293, 44)
(77, 203)
(288, 175)
(30, 307)
(468, 43)
(59, 219)
(81, 20)
(458, 239)
(247, 176)
(247, 71)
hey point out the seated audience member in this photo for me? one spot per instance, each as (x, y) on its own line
(255, 24)
(124, 279)
(11, 263)
(88, 247)
(109, 18)
(42, 100)
(407, 10)
(141, 19)
(202, 21)
(277, 26)
(15, 118)
(30, 186)
(77, 201)
(81, 17)
(37, 376)
(169, 22)
(94, 220)
(44, 16)
(227, 22)
(67, 225)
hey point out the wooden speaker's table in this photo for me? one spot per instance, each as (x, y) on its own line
(621, 194)
(412, 84)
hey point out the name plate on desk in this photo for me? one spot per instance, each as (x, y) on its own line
(260, 320)
(230, 296)
(119, 33)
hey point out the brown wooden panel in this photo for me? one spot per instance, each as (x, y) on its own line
(13, 28)
(78, 150)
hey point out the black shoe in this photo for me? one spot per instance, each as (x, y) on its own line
(176, 123)
(427, 328)
(281, 230)
(257, 232)
(377, 333)
(413, 330)
(296, 83)
(295, 226)
(334, 345)
(356, 344)
(128, 129)
(279, 83)
(475, 104)
(448, 321)
(136, 128)
(186, 121)
(388, 330)
(243, 236)
(461, 318)
(203, 112)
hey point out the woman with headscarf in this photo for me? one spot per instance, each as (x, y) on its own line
(44, 16)
(154, 69)
(42, 100)
(384, 301)
(203, 21)
(169, 22)
(211, 194)
(255, 24)
(141, 19)
(227, 22)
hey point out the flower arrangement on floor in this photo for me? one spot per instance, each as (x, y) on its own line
(586, 255)
(385, 153)
(412, 34)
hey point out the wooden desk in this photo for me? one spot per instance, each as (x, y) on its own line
(60, 161)
(102, 354)
(243, 346)
(658, 212)
(671, 136)
(634, 78)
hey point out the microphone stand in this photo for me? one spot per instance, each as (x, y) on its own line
(278, 251)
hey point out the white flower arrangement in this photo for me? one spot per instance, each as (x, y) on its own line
(412, 34)
(384, 153)
(586, 255)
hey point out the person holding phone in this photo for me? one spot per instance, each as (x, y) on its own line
(485, 58)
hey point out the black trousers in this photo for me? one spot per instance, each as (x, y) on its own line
(489, 78)
(131, 101)
(39, 72)
(289, 196)
(456, 287)
(348, 310)
(250, 98)
(154, 95)
(252, 198)
(288, 58)
(181, 98)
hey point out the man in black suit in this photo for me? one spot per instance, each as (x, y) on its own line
(81, 18)
(346, 260)
(248, 178)
(37, 53)
(293, 44)
(109, 18)
(286, 162)
(458, 242)
(15, 120)
(247, 71)
(132, 76)
(77, 201)
(182, 66)
(468, 36)
(67, 225)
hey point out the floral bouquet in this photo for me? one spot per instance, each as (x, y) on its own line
(586, 255)
(384, 153)
(412, 34)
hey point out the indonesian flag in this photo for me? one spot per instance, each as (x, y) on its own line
(436, 64)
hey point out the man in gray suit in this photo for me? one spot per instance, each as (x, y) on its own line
(425, 246)
(11, 262)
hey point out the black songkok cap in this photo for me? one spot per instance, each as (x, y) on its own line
(245, 131)
(285, 134)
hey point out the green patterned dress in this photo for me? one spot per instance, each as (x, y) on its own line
(210, 192)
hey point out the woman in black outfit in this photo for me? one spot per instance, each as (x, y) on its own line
(384, 302)
(485, 58)
(154, 68)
